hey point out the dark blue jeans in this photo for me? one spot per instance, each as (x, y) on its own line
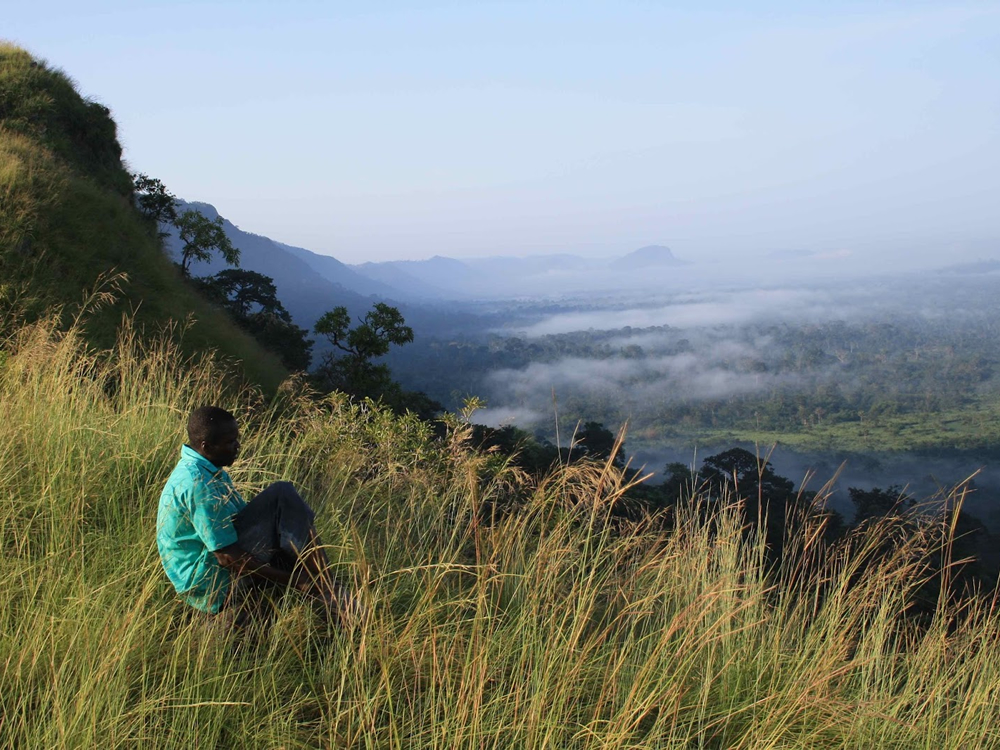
(274, 527)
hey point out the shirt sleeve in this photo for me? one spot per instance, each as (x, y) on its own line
(212, 516)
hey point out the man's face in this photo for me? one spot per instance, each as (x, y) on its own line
(225, 449)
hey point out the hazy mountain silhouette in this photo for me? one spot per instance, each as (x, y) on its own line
(308, 284)
(507, 276)
(645, 257)
(978, 267)
(340, 273)
(432, 279)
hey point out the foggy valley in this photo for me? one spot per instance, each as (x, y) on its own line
(893, 375)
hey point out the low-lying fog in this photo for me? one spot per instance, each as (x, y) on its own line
(710, 309)
(715, 343)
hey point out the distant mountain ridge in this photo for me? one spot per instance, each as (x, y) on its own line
(650, 255)
(419, 278)
(310, 283)
(976, 267)
(514, 276)
(341, 274)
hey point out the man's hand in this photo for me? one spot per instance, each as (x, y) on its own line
(240, 562)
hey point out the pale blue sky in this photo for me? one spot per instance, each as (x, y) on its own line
(402, 130)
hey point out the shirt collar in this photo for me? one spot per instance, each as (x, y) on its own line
(190, 454)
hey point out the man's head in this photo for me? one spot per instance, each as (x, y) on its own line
(213, 432)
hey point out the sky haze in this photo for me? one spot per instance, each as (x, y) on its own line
(402, 130)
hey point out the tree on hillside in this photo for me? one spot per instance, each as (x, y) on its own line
(678, 484)
(243, 292)
(153, 199)
(280, 335)
(201, 237)
(251, 298)
(355, 372)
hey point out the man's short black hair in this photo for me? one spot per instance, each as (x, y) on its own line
(207, 424)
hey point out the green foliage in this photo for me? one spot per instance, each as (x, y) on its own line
(600, 443)
(251, 298)
(879, 503)
(381, 327)
(679, 484)
(527, 452)
(201, 238)
(747, 473)
(279, 335)
(42, 105)
(243, 292)
(356, 373)
(153, 199)
(905, 383)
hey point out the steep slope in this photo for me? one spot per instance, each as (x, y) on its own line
(303, 290)
(304, 284)
(68, 225)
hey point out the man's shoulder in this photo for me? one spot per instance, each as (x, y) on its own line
(187, 476)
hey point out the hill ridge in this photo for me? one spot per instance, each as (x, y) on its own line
(68, 220)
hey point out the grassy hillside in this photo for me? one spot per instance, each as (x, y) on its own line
(549, 627)
(68, 228)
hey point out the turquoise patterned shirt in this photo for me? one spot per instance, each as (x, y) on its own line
(194, 520)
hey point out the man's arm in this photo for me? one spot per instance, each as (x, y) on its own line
(240, 562)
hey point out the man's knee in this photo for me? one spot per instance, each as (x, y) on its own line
(289, 497)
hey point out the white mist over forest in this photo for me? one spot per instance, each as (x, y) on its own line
(707, 345)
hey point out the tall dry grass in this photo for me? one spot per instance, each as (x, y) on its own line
(547, 626)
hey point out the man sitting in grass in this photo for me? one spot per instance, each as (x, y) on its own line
(216, 548)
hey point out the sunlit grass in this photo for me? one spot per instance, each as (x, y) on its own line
(547, 626)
